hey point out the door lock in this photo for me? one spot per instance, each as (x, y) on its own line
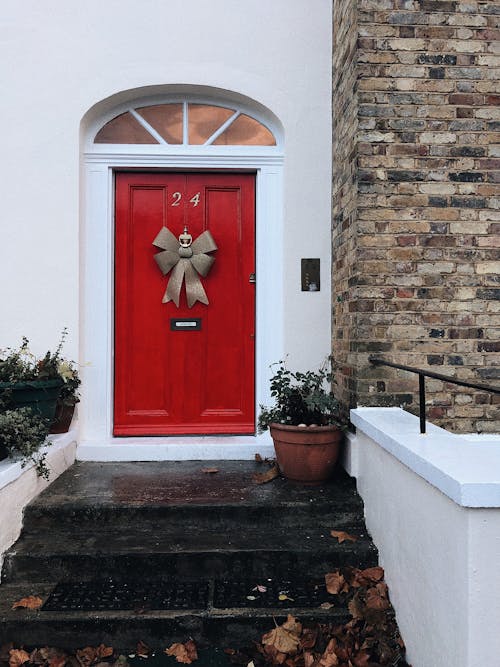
(251, 279)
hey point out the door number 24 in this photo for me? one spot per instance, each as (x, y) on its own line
(177, 197)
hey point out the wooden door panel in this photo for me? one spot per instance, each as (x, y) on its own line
(168, 381)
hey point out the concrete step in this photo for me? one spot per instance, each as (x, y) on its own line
(202, 552)
(123, 628)
(123, 533)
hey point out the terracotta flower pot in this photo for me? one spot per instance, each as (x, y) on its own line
(62, 418)
(306, 454)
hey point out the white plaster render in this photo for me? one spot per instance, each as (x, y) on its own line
(18, 485)
(440, 558)
(61, 59)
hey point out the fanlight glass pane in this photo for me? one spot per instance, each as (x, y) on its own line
(245, 131)
(166, 120)
(124, 129)
(204, 120)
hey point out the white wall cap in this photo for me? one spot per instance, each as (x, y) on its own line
(465, 469)
(11, 470)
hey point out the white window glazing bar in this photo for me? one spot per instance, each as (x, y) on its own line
(148, 127)
(222, 128)
(185, 124)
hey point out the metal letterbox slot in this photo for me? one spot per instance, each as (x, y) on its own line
(185, 324)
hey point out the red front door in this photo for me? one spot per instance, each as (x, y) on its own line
(180, 369)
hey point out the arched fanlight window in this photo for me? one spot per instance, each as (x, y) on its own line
(185, 123)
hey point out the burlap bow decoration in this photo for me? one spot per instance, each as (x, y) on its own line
(187, 258)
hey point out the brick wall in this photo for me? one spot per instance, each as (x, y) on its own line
(424, 285)
(345, 191)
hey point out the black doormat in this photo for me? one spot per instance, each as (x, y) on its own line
(271, 593)
(113, 595)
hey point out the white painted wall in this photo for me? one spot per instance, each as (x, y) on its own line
(433, 510)
(18, 486)
(59, 59)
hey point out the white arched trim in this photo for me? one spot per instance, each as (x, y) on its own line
(100, 161)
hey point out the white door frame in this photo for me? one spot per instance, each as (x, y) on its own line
(97, 298)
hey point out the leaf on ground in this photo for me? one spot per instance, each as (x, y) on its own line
(142, 650)
(308, 638)
(18, 657)
(268, 476)
(370, 575)
(30, 602)
(326, 605)
(336, 583)
(342, 536)
(185, 653)
(103, 651)
(362, 659)
(210, 471)
(330, 657)
(284, 638)
(259, 458)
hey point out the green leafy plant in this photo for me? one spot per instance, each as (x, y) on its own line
(21, 365)
(22, 435)
(301, 398)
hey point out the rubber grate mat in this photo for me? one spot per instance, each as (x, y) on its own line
(111, 595)
(271, 593)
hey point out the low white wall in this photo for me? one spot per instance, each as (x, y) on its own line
(18, 486)
(432, 506)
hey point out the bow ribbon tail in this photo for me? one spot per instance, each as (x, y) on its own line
(173, 291)
(194, 288)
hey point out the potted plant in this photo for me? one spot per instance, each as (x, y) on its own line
(23, 433)
(28, 381)
(68, 397)
(304, 422)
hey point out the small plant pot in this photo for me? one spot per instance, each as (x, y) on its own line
(39, 395)
(306, 454)
(62, 418)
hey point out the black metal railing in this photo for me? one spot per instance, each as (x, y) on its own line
(422, 374)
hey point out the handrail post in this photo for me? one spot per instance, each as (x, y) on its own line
(421, 392)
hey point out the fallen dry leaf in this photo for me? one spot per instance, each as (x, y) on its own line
(342, 536)
(18, 657)
(185, 653)
(268, 476)
(330, 657)
(210, 471)
(326, 605)
(336, 583)
(368, 576)
(259, 458)
(142, 650)
(284, 638)
(30, 602)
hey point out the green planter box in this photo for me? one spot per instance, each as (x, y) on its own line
(39, 395)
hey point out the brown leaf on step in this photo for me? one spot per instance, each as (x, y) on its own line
(284, 638)
(185, 653)
(362, 659)
(30, 602)
(308, 659)
(103, 651)
(356, 607)
(330, 657)
(268, 476)
(58, 660)
(326, 605)
(342, 536)
(259, 458)
(210, 471)
(369, 576)
(230, 651)
(142, 649)
(18, 657)
(376, 600)
(48, 657)
(336, 583)
(308, 638)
